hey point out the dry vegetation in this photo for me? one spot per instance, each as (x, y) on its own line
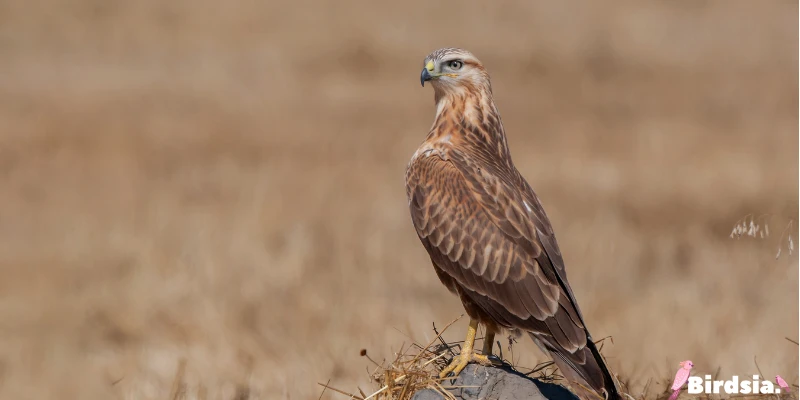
(416, 367)
(221, 183)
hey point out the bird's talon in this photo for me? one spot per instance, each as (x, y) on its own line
(495, 360)
(462, 360)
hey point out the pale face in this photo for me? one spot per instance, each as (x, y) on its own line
(452, 68)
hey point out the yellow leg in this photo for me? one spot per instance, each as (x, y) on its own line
(488, 341)
(467, 353)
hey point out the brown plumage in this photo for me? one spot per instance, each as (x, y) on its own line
(486, 232)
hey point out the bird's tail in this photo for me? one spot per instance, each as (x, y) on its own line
(585, 369)
(674, 395)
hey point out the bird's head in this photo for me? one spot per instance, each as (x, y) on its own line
(451, 70)
(687, 364)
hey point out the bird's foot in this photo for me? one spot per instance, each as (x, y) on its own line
(465, 357)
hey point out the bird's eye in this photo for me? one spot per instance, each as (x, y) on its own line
(455, 64)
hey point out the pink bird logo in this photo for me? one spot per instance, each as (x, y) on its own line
(680, 378)
(782, 383)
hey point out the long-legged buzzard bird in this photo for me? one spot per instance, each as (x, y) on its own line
(486, 232)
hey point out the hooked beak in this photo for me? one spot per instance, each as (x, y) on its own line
(426, 73)
(425, 76)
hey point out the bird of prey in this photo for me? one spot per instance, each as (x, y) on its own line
(680, 378)
(487, 235)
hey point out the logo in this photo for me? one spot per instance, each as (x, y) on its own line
(697, 385)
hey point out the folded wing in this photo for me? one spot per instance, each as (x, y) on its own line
(485, 229)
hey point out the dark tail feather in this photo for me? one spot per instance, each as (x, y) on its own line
(585, 370)
(609, 384)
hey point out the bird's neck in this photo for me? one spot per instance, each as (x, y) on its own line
(470, 117)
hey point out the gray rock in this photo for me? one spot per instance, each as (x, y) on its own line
(497, 383)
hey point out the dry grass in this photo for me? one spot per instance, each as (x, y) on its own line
(222, 183)
(757, 227)
(416, 367)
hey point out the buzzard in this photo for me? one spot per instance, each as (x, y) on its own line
(486, 232)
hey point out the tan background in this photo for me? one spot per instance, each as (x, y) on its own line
(223, 182)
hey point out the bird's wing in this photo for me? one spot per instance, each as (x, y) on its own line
(484, 227)
(493, 238)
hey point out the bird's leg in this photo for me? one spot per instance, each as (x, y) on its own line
(488, 341)
(467, 353)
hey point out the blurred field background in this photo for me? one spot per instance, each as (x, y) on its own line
(223, 183)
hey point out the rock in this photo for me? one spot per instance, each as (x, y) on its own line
(500, 383)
